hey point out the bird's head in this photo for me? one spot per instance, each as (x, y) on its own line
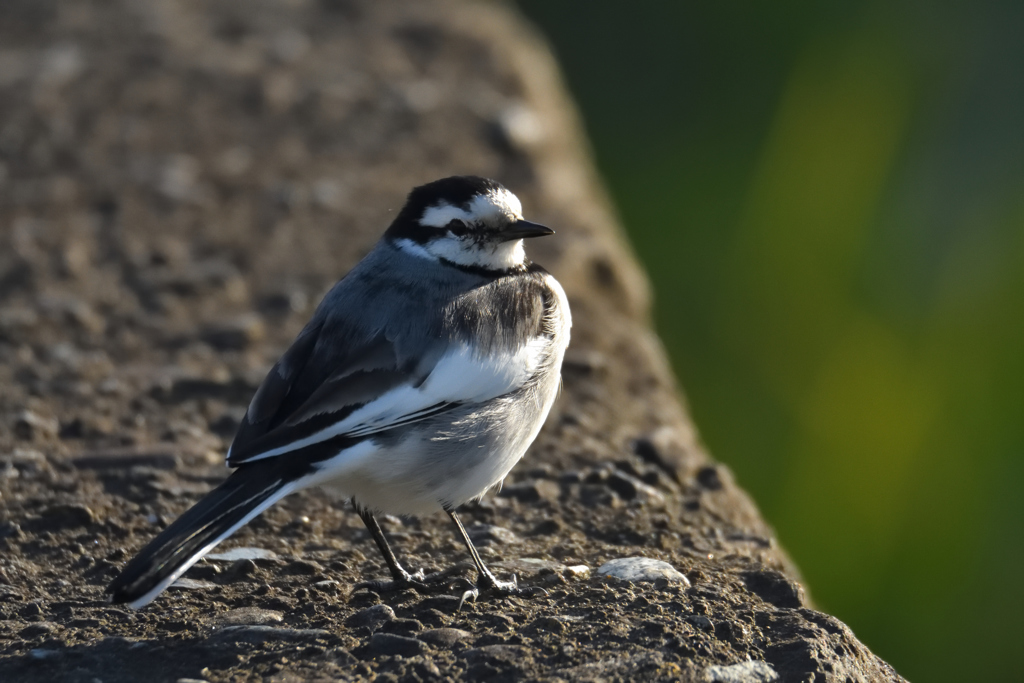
(466, 221)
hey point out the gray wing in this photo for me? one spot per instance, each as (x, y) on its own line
(339, 383)
(320, 381)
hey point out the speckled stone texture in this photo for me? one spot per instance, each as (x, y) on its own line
(179, 184)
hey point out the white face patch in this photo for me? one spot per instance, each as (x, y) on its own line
(443, 214)
(501, 256)
(492, 210)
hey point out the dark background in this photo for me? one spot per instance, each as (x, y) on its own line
(829, 198)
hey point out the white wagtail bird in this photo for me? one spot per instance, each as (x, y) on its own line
(422, 378)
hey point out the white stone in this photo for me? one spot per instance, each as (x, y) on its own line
(744, 672)
(243, 554)
(579, 571)
(193, 584)
(641, 569)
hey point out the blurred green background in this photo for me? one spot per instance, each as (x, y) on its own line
(829, 198)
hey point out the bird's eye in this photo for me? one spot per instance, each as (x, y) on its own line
(457, 227)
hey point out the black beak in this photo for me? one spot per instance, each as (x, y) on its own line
(524, 230)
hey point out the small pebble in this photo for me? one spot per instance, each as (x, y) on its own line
(549, 527)
(486, 534)
(533, 491)
(631, 488)
(427, 670)
(11, 530)
(192, 584)
(240, 569)
(709, 478)
(372, 617)
(403, 627)
(243, 554)
(599, 496)
(30, 425)
(744, 672)
(304, 568)
(550, 624)
(41, 628)
(641, 569)
(701, 622)
(577, 571)
(446, 604)
(443, 637)
(500, 653)
(250, 616)
(328, 586)
(391, 644)
(68, 516)
(775, 588)
(30, 610)
(571, 477)
(259, 634)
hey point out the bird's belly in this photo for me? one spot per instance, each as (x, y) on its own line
(395, 497)
(448, 460)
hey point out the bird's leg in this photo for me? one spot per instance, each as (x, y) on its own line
(398, 573)
(486, 581)
(401, 579)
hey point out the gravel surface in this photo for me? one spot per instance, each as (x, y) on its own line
(179, 184)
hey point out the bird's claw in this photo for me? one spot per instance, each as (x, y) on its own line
(491, 584)
(487, 584)
(471, 594)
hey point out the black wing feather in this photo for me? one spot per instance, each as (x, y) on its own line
(210, 519)
(315, 384)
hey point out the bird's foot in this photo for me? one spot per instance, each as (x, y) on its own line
(489, 584)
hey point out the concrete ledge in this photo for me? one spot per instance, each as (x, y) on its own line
(179, 185)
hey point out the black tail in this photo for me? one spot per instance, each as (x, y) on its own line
(246, 493)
